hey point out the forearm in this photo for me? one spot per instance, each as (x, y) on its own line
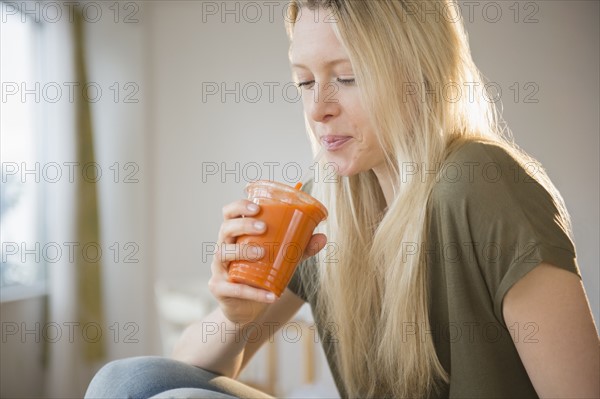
(214, 343)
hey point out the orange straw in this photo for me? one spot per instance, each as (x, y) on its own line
(316, 159)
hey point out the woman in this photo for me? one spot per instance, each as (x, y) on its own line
(454, 270)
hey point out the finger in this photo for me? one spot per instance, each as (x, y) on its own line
(225, 289)
(232, 228)
(317, 242)
(226, 253)
(239, 208)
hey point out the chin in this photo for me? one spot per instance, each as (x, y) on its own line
(340, 169)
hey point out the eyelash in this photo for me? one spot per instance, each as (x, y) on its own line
(310, 82)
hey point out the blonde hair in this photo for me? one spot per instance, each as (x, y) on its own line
(372, 290)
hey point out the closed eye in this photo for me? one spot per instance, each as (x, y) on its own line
(346, 81)
(307, 83)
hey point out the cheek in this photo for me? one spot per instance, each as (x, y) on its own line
(359, 117)
(366, 133)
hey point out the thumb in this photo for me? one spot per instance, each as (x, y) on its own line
(316, 243)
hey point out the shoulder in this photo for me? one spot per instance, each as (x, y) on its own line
(500, 198)
(303, 281)
(480, 152)
(472, 164)
(488, 175)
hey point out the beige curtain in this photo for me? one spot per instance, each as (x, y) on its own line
(89, 294)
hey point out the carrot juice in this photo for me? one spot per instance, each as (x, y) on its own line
(291, 217)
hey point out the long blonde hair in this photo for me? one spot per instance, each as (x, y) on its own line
(373, 290)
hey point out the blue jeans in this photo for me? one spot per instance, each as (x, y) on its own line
(159, 377)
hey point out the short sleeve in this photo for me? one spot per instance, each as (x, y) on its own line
(508, 222)
(296, 284)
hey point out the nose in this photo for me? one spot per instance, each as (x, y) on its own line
(323, 104)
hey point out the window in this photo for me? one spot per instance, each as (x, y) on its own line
(22, 267)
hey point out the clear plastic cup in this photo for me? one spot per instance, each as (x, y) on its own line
(291, 217)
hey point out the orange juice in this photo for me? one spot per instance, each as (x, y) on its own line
(291, 217)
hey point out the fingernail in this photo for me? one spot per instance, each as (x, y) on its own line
(259, 225)
(270, 297)
(258, 251)
(252, 207)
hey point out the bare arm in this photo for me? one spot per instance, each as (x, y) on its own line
(218, 345)
(214, 344)
(270, 322)
(565, 362)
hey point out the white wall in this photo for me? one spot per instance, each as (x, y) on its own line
(117, 55)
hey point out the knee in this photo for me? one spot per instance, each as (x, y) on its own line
(124, 378)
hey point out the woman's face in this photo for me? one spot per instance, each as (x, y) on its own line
(331, 99)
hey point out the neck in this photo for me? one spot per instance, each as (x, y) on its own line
(386, 183)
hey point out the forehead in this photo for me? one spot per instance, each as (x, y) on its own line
(314, 40)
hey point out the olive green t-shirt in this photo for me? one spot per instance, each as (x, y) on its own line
(489, 224)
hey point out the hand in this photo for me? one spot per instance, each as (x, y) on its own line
(242, 303)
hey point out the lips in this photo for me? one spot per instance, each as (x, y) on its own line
(334, 142)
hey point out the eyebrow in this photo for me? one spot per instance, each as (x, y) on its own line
(328, 63)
